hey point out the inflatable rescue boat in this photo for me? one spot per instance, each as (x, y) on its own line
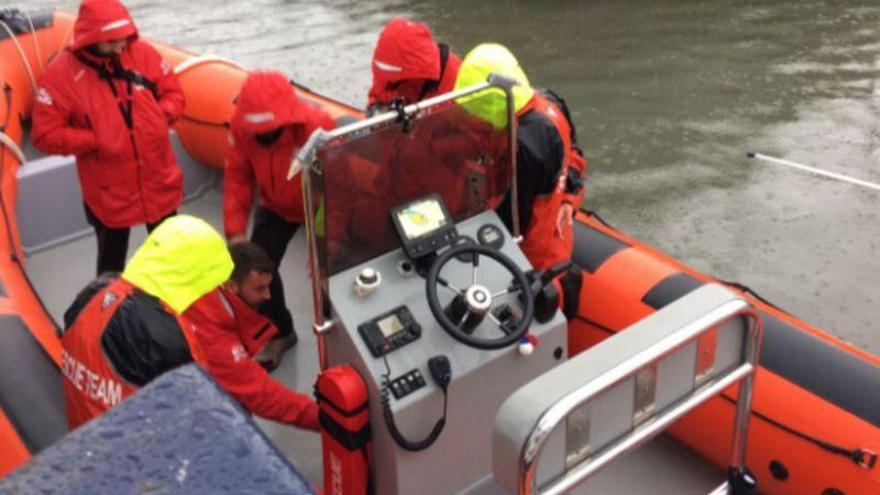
(815, 412)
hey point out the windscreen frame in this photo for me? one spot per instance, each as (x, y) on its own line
(306, 162)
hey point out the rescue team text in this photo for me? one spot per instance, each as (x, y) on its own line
(96, 387)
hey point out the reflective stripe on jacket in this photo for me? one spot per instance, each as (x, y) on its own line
(406, 50)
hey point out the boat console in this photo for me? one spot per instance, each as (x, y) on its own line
(422, 289)
(426, 289)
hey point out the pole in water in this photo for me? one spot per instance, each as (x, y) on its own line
(813, 170)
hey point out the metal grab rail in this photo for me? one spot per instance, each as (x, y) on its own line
(641, 433)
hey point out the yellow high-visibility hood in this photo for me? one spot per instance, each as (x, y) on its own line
(491, 105)
(183, 259)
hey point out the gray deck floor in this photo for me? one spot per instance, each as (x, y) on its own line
(662, 467)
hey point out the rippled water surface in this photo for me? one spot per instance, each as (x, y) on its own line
(668, 95)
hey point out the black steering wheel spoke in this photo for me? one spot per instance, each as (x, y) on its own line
(501, 326)
(463, 318)
(445, 283)
(511, 289)
(475, 261)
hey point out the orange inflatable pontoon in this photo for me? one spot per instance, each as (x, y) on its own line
(815, 425)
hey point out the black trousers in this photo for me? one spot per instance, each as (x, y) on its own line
(113, 242)
(273, 234)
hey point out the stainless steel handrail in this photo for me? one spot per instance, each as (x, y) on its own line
(723, 489)
(320, 326)
(306, 159)
(643, 433)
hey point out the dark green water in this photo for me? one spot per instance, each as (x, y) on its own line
(668, 95)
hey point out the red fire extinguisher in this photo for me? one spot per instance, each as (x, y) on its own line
(345, 431)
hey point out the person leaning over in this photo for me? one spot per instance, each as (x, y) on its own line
(109, 99)
(122, 331)
(269, 126)
(550, 166)
(231, 332)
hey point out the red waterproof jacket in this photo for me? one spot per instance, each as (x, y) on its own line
(114, 117)
(267, 101)
(406, 50)
(230, 334)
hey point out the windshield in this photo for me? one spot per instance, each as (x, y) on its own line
(359, 177)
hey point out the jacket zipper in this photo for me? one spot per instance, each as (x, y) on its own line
(134, 148)
(128, 117)
(137, 161)
(272, 169)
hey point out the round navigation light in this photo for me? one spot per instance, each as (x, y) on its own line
(367, 281)
(368, 276)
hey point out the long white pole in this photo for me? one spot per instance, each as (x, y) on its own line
(813, 170)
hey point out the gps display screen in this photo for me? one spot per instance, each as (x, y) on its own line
(424, 226)
(421, 217)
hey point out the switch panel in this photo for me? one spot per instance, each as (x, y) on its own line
(407, 384)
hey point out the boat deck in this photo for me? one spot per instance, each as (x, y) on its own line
(661, 467)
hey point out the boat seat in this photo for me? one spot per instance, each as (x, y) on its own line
(180, 434)
(49, 208)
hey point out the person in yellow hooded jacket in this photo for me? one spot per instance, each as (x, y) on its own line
(550, 166)
(123, 330)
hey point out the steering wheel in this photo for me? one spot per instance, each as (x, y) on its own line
(478, 298)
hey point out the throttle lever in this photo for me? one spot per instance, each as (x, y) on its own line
(545, 293)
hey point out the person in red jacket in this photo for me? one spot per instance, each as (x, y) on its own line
(409, 66)
(269, 126)
(109, 99)
(231, 332)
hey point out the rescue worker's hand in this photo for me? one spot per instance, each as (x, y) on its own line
(564, 219)
(237, 239)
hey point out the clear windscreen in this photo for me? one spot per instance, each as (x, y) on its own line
(358, 178)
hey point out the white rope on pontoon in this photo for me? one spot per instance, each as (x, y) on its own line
(24, 59)
(13, 146)
(36, 42)
(197, 60)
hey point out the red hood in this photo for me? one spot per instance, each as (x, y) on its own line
(405, 50)
(267, 101)
(102, 20)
